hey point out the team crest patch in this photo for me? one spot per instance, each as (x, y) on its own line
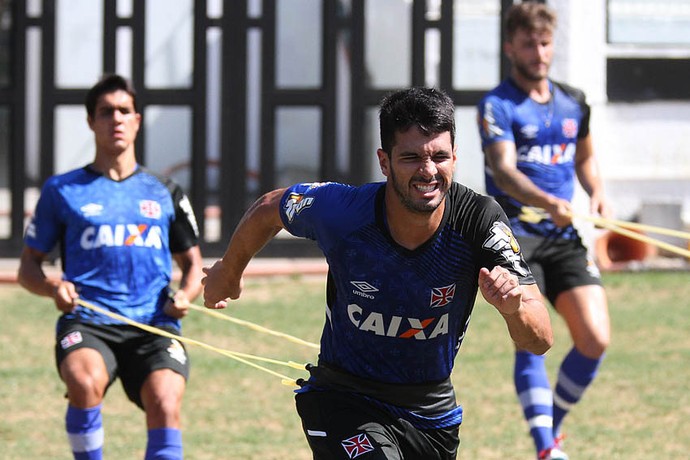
(502, 241)
(357, 445)
(295, 203)
(592, 269)
(176, 351)
(489, 126)
(440, 297)
(150, 209)
(70, 339)
(569, 128)
(31, 228)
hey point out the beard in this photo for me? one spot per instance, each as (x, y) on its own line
(418, 206)
(524, 71)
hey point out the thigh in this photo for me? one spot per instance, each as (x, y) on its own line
(161, 396)
(85, 362)
(585, 312)
(144, 353)
(567, 265)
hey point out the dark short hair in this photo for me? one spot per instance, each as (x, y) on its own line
(430, 109)
(531, 16)
(108, 84)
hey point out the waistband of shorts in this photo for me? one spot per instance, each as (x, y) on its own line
(423, 398)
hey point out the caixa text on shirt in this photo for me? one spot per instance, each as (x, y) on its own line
(121, 235)
(397, 326)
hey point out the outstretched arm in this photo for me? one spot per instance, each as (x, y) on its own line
(257, 227)
(521, 307)
(502, 159)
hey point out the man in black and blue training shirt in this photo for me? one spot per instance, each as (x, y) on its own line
(406, 258)
(536, 139)
(118, 227)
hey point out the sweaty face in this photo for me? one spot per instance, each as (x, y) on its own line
(531, 53)
(115, 122)
(420, 168)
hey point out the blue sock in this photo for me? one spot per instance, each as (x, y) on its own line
(164, 444)
(85, 432)
(576, 373)
(536, 398)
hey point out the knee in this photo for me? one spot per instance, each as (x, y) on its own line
(163, 410)
(165, 403)
(162, 400)
(86, 376)
(85, 390)
(595, 345)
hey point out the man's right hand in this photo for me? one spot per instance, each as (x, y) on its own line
(65, 296)
(220, 286)
(561, 212)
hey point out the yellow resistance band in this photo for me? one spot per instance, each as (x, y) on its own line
(241, 357)
(253, 326)
(534, 215)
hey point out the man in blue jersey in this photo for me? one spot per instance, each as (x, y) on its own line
(406, 258)
(536, 139)
(118, 227)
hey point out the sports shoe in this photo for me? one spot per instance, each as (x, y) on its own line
(554, 453)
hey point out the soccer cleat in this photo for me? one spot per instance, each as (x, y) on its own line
(554, 452)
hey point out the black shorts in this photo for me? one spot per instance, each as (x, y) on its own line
(341, 425)
(559, 265)
(129, 353)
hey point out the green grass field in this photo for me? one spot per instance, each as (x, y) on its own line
(639, 407)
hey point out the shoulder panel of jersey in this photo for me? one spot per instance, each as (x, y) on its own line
(484, 223)
(579, 97)
(495, 110)
(43, 231)
(324, 211)
(184, 230)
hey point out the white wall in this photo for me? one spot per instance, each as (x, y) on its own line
(642, 147)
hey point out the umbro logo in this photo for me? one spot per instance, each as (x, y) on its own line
(530, 131)
(364, 289)
(91, 209)
(364, 286)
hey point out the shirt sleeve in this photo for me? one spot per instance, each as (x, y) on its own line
(303, 208)
(45, 228)
(184, 231)
(494, 119)
(497, 244)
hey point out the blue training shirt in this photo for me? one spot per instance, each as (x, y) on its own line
(116, 239)
(395, 315)
(545, 137)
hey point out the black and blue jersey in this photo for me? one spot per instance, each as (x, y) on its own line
(545, 137)
(116, 239)
(398, 316)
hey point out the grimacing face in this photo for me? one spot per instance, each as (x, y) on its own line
(420, 168)
(531, 53)
(115, 122)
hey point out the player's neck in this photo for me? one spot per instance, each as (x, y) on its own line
(539, 90)
(410, 229)
(116, 166)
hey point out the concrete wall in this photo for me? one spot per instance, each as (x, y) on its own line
(642, 147)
